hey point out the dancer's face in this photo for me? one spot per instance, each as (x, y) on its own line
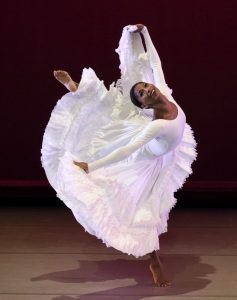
(147, 94)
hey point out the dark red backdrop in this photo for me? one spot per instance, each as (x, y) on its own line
(195, 39)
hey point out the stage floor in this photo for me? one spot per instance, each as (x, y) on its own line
(46, 255)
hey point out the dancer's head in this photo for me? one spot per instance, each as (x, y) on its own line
(144, 95)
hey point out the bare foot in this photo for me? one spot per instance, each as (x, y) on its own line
(66, 80)
(158, 276)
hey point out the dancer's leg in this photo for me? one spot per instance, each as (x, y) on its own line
(156, 270)
(66, 80)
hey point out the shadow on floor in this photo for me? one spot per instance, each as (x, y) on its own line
(186, 272)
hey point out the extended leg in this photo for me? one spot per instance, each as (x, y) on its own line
(156, 270)
(66, 80)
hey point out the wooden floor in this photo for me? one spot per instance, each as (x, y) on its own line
(45, 254)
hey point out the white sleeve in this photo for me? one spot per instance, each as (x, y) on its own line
(155, 63)
(151, 131)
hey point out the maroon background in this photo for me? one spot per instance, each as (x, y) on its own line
(196, 41)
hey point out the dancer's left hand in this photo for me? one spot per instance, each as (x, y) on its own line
(82, 165)
(135, 28)
(139, 27)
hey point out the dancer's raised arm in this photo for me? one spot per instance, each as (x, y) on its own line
(154, 59)
(136, 64)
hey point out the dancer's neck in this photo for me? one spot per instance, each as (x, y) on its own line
(164, 109)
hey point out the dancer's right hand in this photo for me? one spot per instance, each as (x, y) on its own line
(82, 165)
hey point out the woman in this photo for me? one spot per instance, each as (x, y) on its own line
(131, 159)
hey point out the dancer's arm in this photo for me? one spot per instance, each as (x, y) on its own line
(154, 59)
(129, 50)
(151, 131)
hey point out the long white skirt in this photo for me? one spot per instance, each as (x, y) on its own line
(125, 204)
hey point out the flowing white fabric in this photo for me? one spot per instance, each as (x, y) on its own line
(135, 164)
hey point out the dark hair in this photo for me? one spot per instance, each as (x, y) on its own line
(133, 96)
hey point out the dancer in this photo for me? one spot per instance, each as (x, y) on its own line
(133, 148)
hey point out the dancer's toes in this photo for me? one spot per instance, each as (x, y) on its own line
(165, 284)
(65, 79)
(62, 76)
(158, 276)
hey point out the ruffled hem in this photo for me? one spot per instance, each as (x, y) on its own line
(90, 205)
(176, 169)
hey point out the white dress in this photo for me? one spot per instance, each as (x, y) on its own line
(135, 163)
